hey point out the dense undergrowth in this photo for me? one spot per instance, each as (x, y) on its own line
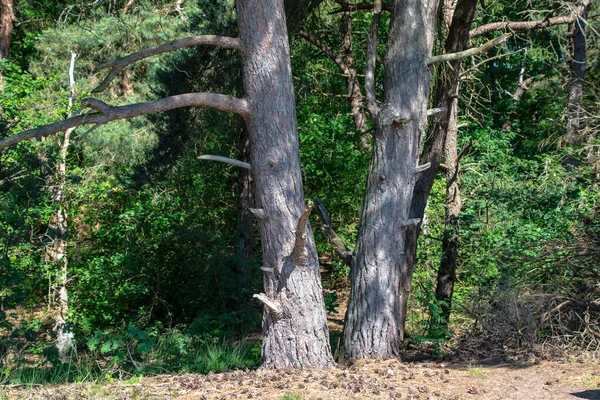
(157, 283)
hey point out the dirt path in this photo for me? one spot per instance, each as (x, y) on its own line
(372, 380)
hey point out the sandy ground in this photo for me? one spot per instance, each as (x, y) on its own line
(366, 380)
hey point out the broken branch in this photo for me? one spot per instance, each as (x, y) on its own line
(231, 161)
(334, 240)
(270, 304)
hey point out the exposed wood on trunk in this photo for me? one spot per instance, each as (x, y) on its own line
(298, 335)
(373, 318)
(446, 95)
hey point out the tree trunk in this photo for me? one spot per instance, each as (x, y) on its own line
(446, 92)
(294, 326)
(58, 252)
(450, 241)
(6, 27)
(578, 67)
(372, 328)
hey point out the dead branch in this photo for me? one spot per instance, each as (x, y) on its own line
(325, 49)
(521, 25)
(208, 40)
(107, 113)
(470, 52)
(334, 240)
(236, 163)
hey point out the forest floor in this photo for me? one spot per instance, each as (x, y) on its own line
(464, 373)
(367, 380)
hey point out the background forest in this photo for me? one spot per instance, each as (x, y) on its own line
(161, 257)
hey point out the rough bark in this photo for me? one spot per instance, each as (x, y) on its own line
(6, 27)
(294, 326)
(578, 67)
(446, 276)
(446, 95)
(354, 94)
(372, 328)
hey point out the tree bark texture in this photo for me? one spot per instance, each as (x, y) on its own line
(578, 67)
(6, 27)
(294, 325)
(446, 95)
(372, 328)
(446, 276)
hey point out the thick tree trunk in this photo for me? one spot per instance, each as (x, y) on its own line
(295, 326)
(372, 327)
(446, 92)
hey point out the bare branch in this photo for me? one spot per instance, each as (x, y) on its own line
(209, 40)
(470, 52)
(108, 113)
(334, 240)
(521, 25)
(231, 161)
(325, 49)
(299, 254)
(371, 60)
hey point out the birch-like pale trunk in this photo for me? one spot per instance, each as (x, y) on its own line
(57, 253)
